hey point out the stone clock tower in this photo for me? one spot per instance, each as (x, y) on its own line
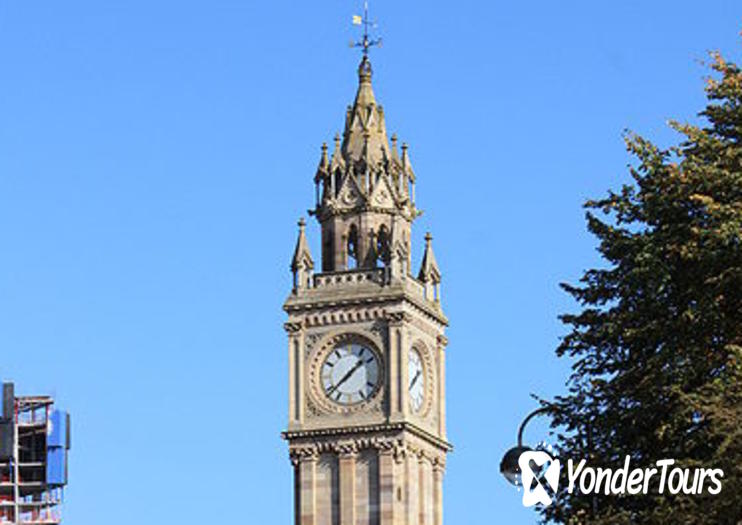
(367, 418)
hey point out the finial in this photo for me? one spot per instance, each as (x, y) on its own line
(395, 153)
(428, 238)
(365, 71)
(367, 41)
(323, 158)
(302, 223)
(336, 151)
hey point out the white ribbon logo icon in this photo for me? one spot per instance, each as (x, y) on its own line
(538, 494)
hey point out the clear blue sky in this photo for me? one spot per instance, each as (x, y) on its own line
(154, 159)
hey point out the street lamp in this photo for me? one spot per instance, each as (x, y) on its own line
(509, 464)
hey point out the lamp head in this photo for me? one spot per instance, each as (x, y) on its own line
(509, 464)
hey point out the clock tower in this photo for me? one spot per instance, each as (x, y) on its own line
(366, 345)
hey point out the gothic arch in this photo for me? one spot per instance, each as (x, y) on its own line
(352, 247)
(383, 249)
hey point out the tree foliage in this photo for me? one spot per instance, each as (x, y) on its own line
(657, 343)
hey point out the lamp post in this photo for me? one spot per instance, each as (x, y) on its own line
(509, 464)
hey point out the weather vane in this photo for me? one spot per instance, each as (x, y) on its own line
(367, 41)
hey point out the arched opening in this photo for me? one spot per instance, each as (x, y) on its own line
(328, 253)
(336, 181)
(383, 251)
(352, 248)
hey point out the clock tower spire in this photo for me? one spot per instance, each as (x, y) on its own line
(366, 344)
(365, 191)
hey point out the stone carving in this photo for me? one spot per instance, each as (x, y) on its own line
(381, 196)
(297, 454)
(346, 448)
(312, 338)
(399, 448)
(292, 327)
(312, 409)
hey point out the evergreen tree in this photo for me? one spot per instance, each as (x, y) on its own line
(657, 343)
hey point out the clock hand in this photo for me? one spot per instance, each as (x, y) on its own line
(414, 379)
(347, 376)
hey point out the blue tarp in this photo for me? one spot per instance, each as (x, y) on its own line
(56, 466)
(57, 431)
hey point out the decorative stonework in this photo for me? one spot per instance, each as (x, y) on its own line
(346, 449)
(398, 447)
(303, 453)
(310, 341)
(312, 409)
(398, 318)
(373, 305)
(424, 326)
(349, 196)
(312, 338)
(379, 329)
(292, 327)
(381, 196)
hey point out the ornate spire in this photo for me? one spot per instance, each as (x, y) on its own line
(406, 164)
(430, 274)
(302, 256)
(365, 189)
(429, 271)
(302, 263)
(323, 167)
(365, 126)
(395, 155)
(323, 159)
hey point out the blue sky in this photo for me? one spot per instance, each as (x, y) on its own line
(154, 159)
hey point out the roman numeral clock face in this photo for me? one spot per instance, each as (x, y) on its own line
(350, 374)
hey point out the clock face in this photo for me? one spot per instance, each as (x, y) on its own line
(416, 380)
(350, 374)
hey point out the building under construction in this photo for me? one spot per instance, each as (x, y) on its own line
(34, 440)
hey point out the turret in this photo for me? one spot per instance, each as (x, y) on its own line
(429, 273)
(302, 263)
(363, 197)
(365, 202)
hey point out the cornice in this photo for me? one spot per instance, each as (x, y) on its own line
(293, 327)
(328, 212)
(340, 432)
(300, 305)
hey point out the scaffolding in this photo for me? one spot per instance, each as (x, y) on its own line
(34, 440)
